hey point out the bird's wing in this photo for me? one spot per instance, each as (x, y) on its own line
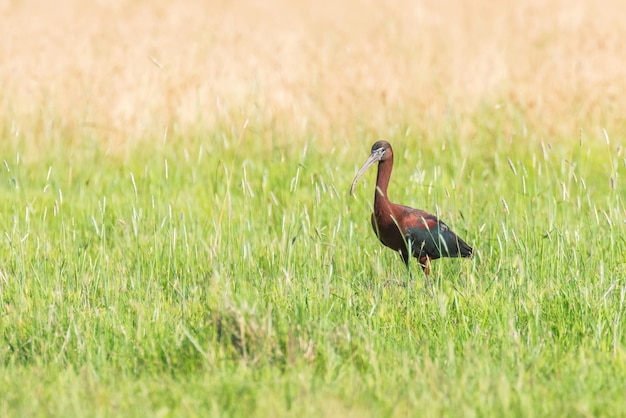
(430, 236)
(415, 218)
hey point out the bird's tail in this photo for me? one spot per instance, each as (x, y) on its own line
(465, 250)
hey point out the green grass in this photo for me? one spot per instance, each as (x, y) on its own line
(227, 274)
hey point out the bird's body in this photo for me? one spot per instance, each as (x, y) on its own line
(411, 232)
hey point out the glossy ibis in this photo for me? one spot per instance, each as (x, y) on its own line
(406, 230)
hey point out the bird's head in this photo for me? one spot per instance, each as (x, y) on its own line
(381, 151)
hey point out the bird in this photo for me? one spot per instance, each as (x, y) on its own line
(409, 231)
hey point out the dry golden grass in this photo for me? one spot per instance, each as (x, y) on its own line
(132, 69)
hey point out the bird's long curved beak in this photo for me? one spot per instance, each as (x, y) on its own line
(373, 158)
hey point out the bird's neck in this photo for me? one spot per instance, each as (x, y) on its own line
(382, 182)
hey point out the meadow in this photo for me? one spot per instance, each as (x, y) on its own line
(177, 236)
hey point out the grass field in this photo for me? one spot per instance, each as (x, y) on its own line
(177, 233)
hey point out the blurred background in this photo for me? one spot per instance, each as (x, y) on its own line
(127, 71)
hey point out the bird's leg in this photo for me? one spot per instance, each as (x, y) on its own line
(406, 258)
(425, 263)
